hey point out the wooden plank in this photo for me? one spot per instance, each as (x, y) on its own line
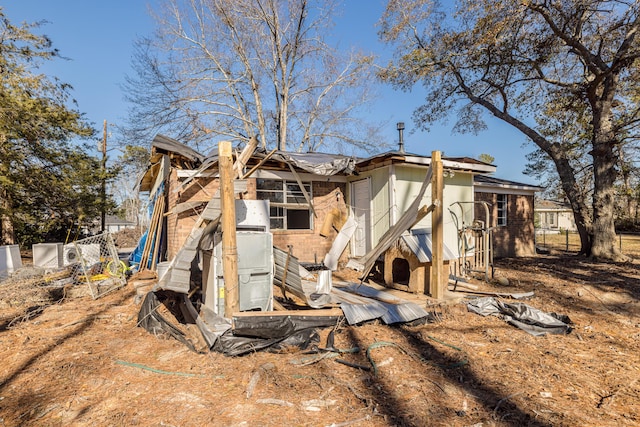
(324, 312)
(185, 206)
(253, 169)
(158, 235)
(304, 190)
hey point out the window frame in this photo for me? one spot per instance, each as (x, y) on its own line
(502, 203)
(285, 197)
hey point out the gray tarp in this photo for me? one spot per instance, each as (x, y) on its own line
(319, 163)
(282, 333)
(521, 315)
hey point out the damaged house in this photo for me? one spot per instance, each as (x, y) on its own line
(314, 210)
(302, 190)
(309, 195)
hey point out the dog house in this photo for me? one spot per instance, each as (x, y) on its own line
(407, 263)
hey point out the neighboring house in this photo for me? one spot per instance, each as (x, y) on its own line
(114, 223)
(510, 214)
(554, 216)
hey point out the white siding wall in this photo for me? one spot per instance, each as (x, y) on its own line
(408, 180)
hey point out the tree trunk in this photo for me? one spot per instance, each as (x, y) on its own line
(604, 233)
(576, 200)
(7, 233)
(604, 172)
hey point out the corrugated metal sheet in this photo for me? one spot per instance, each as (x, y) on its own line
(303, 289)
(419, 241)
(358, 313)
(171, 145)
(361, 303)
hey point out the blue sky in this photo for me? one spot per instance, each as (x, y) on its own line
(97, 37)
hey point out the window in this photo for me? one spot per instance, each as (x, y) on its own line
(551, 220)
(502, 209)
(289, 208)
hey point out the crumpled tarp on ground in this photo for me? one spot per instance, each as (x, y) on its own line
(527, 318)
(268, 335)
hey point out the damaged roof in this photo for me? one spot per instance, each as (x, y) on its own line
(493, 182)
(318, 163)
(323, 164)
(165, 145)
(451, 163)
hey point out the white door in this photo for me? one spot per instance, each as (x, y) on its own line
(361, 207)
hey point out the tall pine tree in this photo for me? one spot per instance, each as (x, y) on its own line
(47, 180)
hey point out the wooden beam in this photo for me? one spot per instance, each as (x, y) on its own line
(229, 244)
(438, 281)
(326, 312)
(304, 191)
(260, 163)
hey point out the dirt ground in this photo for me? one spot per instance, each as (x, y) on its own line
(71, 360)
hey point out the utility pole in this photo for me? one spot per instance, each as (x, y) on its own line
(228, 220)
(103, 190)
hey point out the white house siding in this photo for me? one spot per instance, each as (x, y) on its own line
(408, 180)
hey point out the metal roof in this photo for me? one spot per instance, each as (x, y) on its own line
(491, 181)
(170, 145)
(360, 303)
(452, 163)
(419, 241)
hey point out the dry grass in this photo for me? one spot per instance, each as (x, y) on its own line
(83, 362)
(629, 244)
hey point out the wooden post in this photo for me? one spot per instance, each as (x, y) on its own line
(228, 220)
(438, 282)
(103, 187)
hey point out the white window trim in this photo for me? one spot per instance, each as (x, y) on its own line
(290, 206)
(502, 207)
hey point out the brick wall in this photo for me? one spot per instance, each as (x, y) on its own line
(179, 226)
(517, 238)
(307, 245)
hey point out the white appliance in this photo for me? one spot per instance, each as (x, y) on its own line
(48, 255)
(10, 259)
(88, 253)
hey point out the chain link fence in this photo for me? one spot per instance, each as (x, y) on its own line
(95, 261)
(569, 241)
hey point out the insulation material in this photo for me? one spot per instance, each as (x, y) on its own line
(339, 244)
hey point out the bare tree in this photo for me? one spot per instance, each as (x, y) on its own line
(572, 60)
(243, 68)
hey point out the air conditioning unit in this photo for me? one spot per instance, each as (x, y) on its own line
(75, 253)
(10, 259)
(255, 273)
(70, 255)
(48, 255)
